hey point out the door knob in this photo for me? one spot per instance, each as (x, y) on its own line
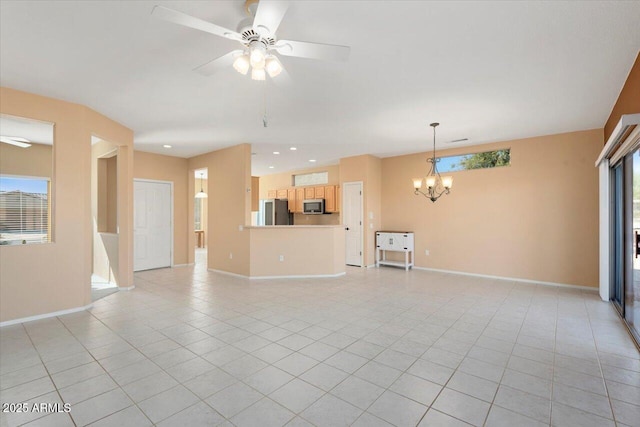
(346, 228)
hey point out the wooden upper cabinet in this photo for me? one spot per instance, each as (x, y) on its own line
(291, 197)
(329, 192)
(299, 199)
(338, 198)
(319, 192)
(310, 193)
(281, 194)
(271, 194)
(255, 193)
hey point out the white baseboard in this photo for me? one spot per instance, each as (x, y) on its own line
(302, 276)
(45, 316)
(227, 273)
(183, 265)
(370, 265)
(126, 288)
(299, 276)
(512, 279)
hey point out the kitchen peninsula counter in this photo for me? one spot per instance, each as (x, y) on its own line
(297, 251)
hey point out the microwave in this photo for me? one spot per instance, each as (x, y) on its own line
(313, 206)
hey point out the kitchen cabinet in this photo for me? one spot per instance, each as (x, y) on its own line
(255, 193)
(299, 199)
(272, 194)
(291, 197)
(338, 199)
(319, 192)
(309, 193)
(281, 194)
(329, 196)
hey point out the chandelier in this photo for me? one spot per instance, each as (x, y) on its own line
(201, 194)
(436, 185)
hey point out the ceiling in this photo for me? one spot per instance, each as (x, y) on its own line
(487, 71)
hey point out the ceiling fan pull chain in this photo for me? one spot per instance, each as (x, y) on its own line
(265, 122)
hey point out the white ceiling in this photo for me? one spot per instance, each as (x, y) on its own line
(487, 71)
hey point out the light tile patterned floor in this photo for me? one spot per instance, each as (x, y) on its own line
(378, 347)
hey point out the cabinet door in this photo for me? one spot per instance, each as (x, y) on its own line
(291, 197)
(271, 194)
(299, 199)
(338, 199)
(330, 198)
(310, 193)
(281, 194)
(255, 193)
(319, 192)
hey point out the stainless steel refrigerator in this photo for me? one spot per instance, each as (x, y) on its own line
(276, 212)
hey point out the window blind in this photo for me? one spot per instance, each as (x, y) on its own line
(24, 215)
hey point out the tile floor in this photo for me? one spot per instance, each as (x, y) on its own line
(377, 347)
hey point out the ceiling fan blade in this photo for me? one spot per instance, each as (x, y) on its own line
(269, 15)
(180, 18)
(215, 65)
(18, 142)
(330, 52)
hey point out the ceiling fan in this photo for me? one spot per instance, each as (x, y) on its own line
(15, 140)
(257, 34)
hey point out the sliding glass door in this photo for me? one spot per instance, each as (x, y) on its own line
(632, 282)
(625, 240)
(617, 232)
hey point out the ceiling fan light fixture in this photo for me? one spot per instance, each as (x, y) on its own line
(258, 74)
(258, 55)
(273, 66)
(241, 64)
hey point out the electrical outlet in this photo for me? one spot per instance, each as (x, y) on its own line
(281, 258)
(370, 225)
(240, 228)
(230, 255)
(426, 251)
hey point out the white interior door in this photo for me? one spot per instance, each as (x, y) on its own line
(152, 227)
(352, 218)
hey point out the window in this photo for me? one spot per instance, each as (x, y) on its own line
(24, 210)
(315, 178)
(486, 159)
(26, 181)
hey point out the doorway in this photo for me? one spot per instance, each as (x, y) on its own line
(352, 220)
(152, 224)
(200, 216)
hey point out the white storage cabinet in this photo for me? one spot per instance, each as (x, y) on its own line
(397, 241)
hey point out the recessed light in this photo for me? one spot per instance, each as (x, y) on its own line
(271, 167)
(312, 160)
(293, 148)
(167, 146)
(276, 152)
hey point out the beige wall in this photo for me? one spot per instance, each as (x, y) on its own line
(39, 279)
(228, 206)
(325, 256)
(628, 101)
(173, 169)
(368, 169)
(536, 219)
